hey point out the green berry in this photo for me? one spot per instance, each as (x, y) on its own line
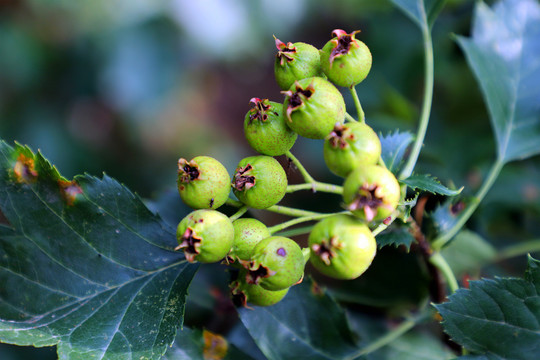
(259, 181)
(276, 263)
(265, 128)
(295, 62)
(349, 146)
(243, 293)
(345, 60)
(371, 192)
(247, 234)
(205, 236)
(341, 247)
(203, 183)
(312, 107)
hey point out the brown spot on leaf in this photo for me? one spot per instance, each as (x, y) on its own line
(24, 170)
(215, 346)
(69, 191)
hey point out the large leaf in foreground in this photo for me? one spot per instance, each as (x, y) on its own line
(503, 53)
(498, 317)
(394, 146)
(306, 324)
(84, 265)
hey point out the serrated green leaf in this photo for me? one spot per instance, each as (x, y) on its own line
(292, 329)
(468, 252)
(430, 184)
(190, 345)
(532, 273)
(498, 317)
(85, 265)
(422, 12)
(503, 54)
(393, 148)
(397, 236)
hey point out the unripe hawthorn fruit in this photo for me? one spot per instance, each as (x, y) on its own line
(205, 236)
(371, 192)
(243, 293)
(247, 233)
(341, 247)
(276, 263)
(349, 146)
(265, 128)
(312, 107)
(345, 60)
(259, 181)
(295, 62)
(203, 182)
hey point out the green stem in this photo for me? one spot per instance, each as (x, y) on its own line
(389, 336)
(299, 220)
(285, 210)
(239, 213)
(440, 263)
(316, 186)
(234, 203)
(350, 118)
(297, 231)
(361, 116)
(426, 106)
(442, 240)
(291, 211)
(303, 171)
(531, 246)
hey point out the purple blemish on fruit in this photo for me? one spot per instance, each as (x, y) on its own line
(211, 202)
(281, 252)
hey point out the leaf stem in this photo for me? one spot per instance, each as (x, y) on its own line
(437, 260)
(527, 247)
(428, 97)
(361, 116)
(239, 213)
(389, 336)
(299, 220)
(285, 210)
(316, 186)
(296, 231)
(350, 118)
(303, 171)
(443, 239)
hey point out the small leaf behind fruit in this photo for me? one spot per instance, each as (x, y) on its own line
(503, 54)
(498, 317)
(85, 265)
(429, 183)
(393, 147)
(396, 236)
(306, 324)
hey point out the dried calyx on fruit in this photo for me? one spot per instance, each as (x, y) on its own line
(259, 181)
(265, 128)
(345, 60)
(295, 62)
(205, 236)
(203, 182)
(341, 247)
(371, 192)
(349, 146)
(276, 263)
(312, 107)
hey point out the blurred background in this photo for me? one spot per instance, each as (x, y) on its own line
(126, 87)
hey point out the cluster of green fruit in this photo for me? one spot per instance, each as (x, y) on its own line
(341, 245)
